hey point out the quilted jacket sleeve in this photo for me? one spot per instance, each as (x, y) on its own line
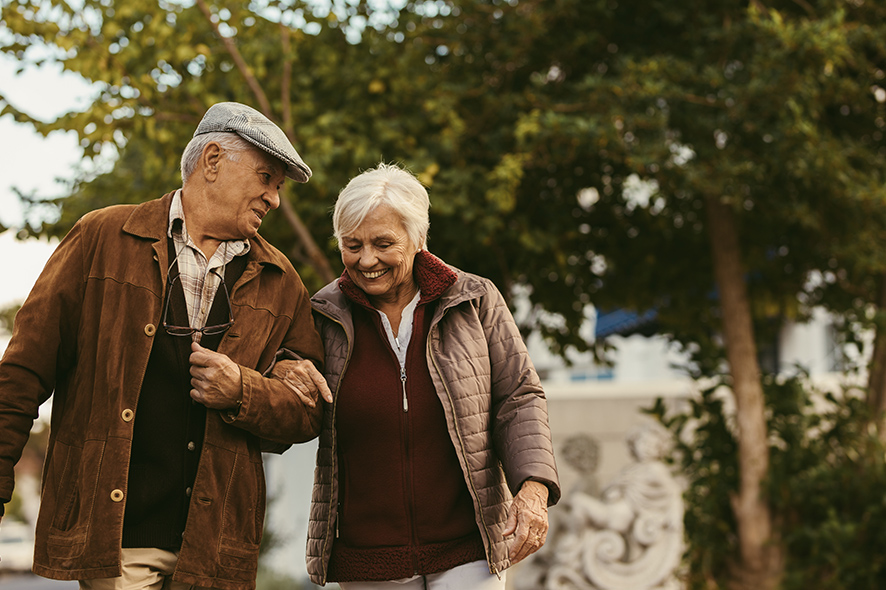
(520, 431)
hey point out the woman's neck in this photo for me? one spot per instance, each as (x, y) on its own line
(394, 304)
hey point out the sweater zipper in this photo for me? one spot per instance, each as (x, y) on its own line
(403, 381)
(409, 484)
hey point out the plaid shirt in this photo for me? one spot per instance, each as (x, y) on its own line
(194, 270)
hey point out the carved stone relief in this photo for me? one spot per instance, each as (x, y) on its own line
(629, 537)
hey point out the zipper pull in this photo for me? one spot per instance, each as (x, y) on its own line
(403, 381)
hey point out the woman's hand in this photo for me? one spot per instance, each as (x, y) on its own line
(527, 521)
(303, 378)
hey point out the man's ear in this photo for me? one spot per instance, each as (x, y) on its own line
(210, 159)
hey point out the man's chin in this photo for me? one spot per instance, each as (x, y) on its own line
(250, 231)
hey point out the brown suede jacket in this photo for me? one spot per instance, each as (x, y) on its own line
(85, 333)
(494, 405)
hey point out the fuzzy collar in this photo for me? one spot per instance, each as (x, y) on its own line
(431, 274)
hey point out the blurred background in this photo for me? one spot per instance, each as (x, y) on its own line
(683, 202)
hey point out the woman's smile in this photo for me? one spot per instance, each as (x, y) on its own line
(375, 274)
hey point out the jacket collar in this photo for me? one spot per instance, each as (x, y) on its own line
(331, 300)
(431, 274)
(150, 220)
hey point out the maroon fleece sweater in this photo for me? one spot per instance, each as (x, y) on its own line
(404, 505)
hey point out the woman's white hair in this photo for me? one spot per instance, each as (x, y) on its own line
(386, 184)
(230, 142)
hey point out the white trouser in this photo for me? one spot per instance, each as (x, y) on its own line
(470, 576)
(143, 569)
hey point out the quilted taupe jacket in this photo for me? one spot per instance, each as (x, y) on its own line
(495, 409)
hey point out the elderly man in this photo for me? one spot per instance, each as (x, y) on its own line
(153, 325)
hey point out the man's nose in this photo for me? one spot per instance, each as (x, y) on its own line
(272, 198)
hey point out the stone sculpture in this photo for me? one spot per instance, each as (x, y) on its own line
(582, 453)
(630, 538)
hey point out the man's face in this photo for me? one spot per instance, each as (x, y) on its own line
(246, 190)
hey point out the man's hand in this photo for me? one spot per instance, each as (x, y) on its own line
(527, 521)
(303, 378)
(215, 379)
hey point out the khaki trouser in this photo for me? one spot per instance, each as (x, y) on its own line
(143, 569)
(473, 576)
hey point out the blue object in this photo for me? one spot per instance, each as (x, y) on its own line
(622, 322)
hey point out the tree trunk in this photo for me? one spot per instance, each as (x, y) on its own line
(760, 557)
(877, 366)
(315, 256)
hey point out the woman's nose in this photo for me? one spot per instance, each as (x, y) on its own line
(367, 257)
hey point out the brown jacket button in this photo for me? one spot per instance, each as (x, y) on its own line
(150, 330)
(117, 495)
(127, 415)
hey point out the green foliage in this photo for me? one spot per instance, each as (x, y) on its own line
(825, 486)
(7, 318)
(513, 112)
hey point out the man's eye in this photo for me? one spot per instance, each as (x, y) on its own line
(266, 178)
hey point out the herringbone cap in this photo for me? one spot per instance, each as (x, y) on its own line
(258, 130)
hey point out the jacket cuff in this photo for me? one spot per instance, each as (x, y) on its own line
(241, 410)
(553, 488)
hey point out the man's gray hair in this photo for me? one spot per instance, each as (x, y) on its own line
(230, 142)
(387, 184)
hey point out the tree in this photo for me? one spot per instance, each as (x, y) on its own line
(755, 132)
(720, 162)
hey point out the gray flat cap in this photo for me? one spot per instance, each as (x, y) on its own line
(251, 125)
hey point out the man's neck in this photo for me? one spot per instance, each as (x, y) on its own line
(195, 220)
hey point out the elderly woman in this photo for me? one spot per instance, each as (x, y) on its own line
(438, 414)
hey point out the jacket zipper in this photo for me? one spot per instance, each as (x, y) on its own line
(461, 442)
(337, 514)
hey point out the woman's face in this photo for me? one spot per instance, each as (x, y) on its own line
(378, 256)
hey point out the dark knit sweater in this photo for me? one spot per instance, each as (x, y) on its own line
(404, 507)
(168, 428)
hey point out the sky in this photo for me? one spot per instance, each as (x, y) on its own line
(31, 162)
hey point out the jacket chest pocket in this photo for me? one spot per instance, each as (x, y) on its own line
(251, 334)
